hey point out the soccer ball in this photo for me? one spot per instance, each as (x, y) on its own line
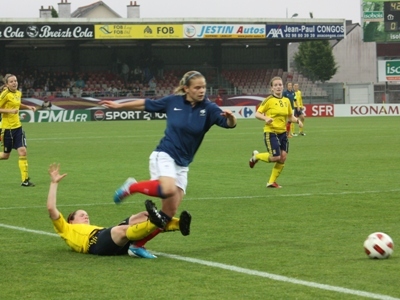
(378, 245)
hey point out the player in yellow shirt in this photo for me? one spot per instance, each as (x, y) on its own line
(275, 111)
(83, 237)
(299, 107)
(9, 111)
(12, 135)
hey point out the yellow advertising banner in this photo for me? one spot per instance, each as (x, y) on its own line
(130, 31)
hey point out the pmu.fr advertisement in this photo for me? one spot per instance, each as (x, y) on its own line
(44, 116)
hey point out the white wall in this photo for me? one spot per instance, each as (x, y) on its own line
(356, 59)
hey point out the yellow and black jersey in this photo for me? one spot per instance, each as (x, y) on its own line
(75, 235)
(10, 100)
(278, 109)
(299, 99)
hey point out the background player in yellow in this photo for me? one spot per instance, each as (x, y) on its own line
(299, 107)
(83, 237)
(275, 111)
(12, 135)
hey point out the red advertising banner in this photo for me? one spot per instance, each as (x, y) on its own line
(319, 110)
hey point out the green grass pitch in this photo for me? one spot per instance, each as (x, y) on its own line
(304, 241)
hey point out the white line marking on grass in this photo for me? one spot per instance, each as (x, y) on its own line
(27, 230)
(211, 198)
(244, 271)
(278, 277)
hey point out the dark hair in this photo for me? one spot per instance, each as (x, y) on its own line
(71, 216)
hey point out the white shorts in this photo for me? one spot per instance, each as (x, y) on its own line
(161, 164)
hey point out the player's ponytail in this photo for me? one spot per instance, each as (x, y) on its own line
(185, 81)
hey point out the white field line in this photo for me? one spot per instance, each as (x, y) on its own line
(231, 268)
(211, 198)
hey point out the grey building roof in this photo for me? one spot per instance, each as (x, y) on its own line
(83, 11)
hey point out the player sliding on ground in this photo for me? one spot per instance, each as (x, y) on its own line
(83, 237)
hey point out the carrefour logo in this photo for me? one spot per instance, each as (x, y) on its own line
(246, 112)
(393, 67)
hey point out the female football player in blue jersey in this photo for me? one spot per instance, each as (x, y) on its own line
(291, 95)
(189, 116)
(275, 111)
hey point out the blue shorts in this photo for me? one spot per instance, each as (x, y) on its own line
(298, 112)
(276, 142)
(12, 139)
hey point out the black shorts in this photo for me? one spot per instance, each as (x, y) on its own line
(12, 139)
(101, 243)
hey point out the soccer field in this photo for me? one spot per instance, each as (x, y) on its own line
(304, 241)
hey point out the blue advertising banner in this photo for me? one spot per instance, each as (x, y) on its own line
(294, 31)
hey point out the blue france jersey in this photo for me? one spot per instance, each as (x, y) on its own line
(291, 95)
(186, 125)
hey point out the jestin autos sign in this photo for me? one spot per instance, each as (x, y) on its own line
(223, 31)
(322, 31)
(46, 32)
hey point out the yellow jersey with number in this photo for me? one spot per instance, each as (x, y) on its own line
(299, 100)
(279, 109)
(10, 100)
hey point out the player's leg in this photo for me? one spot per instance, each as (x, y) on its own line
(6, 144)
(302, 119)
(21, 146)
(288, 129)
(278, 146)
(170, 204)
(156, 186)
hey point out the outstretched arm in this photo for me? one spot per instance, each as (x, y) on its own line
(55, 178)
(231, 119)
(133, 105)
(28, 107)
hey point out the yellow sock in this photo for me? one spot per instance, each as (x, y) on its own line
(263, 156)
(172, 225)
(276, 171)
(23, 167)
(139, 231)
(292, 128)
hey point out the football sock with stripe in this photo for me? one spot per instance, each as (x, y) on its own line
(263, 156)
(23, 167)
(276, 171)
(147, 187)
(140, 230)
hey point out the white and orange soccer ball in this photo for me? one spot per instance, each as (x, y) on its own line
(378, 245)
